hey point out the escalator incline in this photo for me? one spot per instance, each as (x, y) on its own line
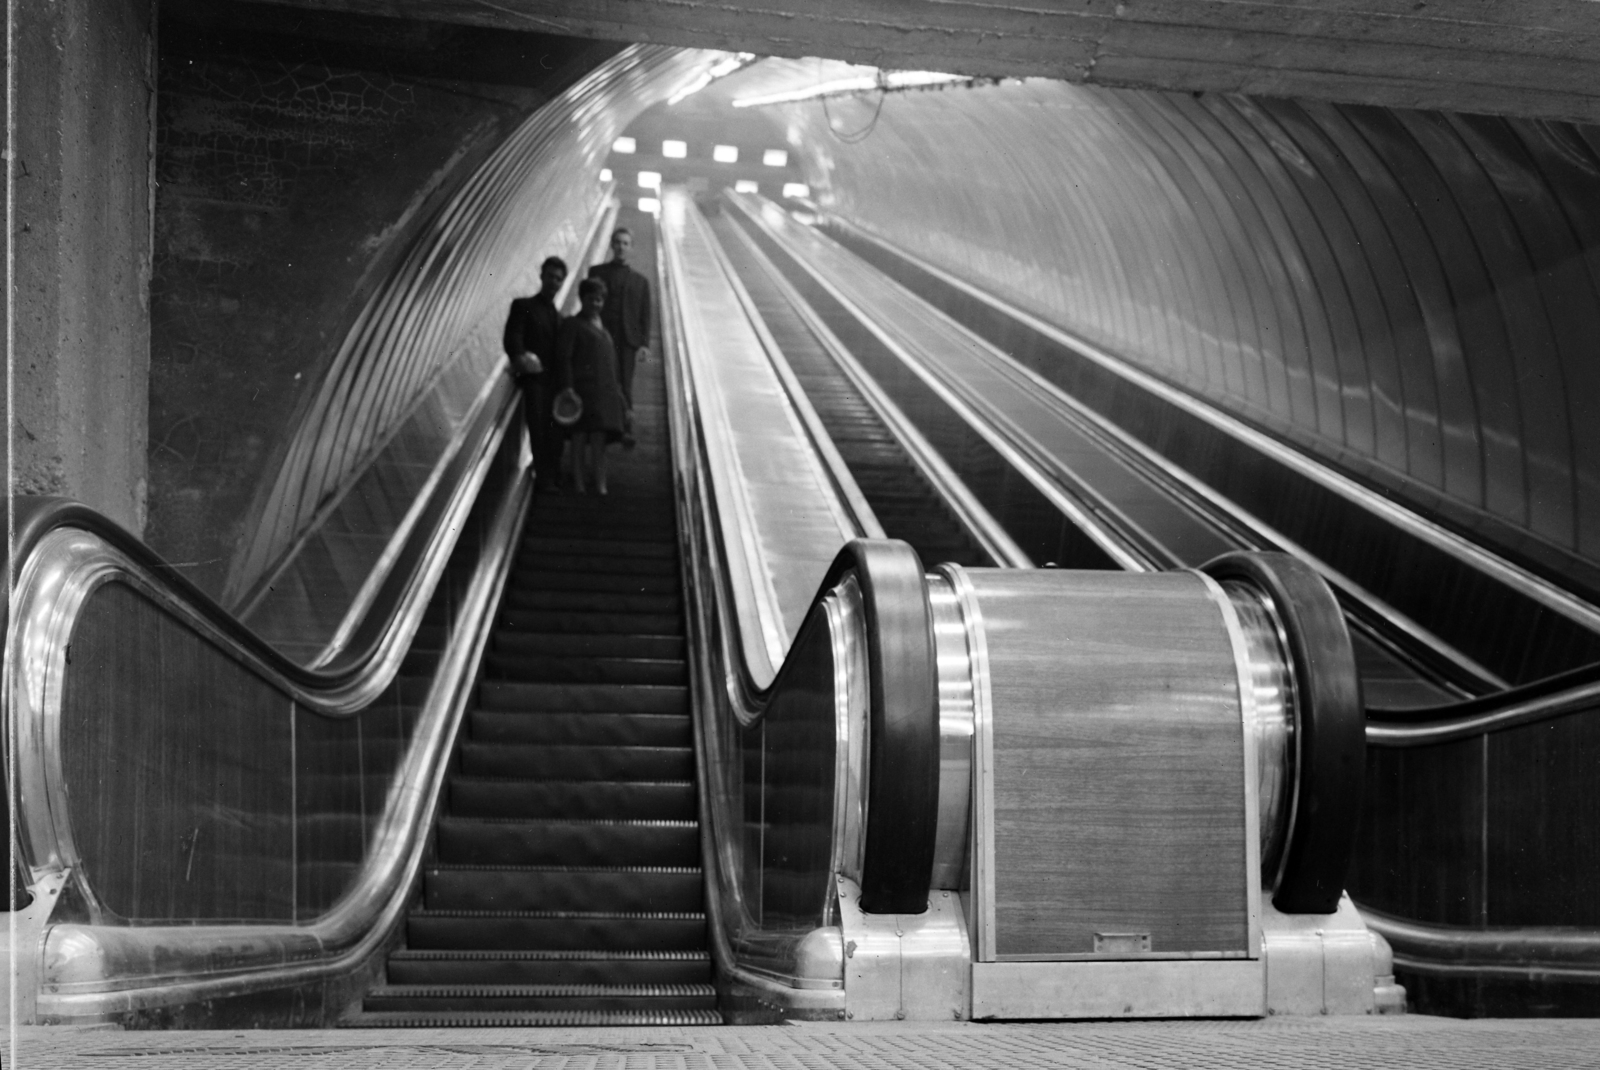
(565, 886)
(905, 503)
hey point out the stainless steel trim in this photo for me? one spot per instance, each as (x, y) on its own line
(1250, 722)
(978, 521)
(852, 508)
(368, 593)
(714, 640)
(956, 715)
(980, 898)
(1109, 541)
(1531, 711)
(851, 676)
(1537, 954)
(760, 614)
(1275, 722)
(1512, 575)
(92, 971)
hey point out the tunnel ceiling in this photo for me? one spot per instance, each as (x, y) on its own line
(1539, 58)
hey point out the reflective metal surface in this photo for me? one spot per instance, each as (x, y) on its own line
(957, 707)
(435, 318)
(1271, 711)
(1400, 292)
(93, 966)
(957, 495)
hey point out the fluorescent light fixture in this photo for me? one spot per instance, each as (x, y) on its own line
(725, 154)
(674, 150)
(796, 189)
(862, 84)
(624, 144)
(605, 174)
(747, 185)
(650, 204)
(650, 180)
(775, 158)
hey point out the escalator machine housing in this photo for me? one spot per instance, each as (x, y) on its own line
(1147, 795)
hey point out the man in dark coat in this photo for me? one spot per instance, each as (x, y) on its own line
(530, 341)
(626, 315)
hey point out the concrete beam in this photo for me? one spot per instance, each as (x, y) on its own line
(1535, 58)
(81, 194)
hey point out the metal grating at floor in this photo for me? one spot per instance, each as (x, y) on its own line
(1332, 1043)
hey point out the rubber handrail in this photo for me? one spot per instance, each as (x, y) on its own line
(903, 727)
(35, 516)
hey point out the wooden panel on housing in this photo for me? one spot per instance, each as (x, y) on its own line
(177, 758)
(1419, 848)
(1119, 790)
(1543, 824)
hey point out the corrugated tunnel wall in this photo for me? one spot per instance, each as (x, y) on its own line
(1411, 295)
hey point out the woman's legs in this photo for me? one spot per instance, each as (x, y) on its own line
(580, 462)
(600, 445)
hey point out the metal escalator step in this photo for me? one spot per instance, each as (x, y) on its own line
(621, 729)
(555, 930)
(536, 544)
(592, 601)
(569, 763)
(534, 668)
(596, 564)
(559, 644)
(510, 1019)
(608, 888)
(421, 966)
(541, 577)
(568, 620)
(509, 841)
(580, 698)
(552, 997)
(518, 798)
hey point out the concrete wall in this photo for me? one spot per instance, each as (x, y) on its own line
(81, 174)
(299, 157)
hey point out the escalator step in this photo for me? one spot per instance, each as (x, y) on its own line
(580, 698)
(600, 565)
(548, 620)
(427, 967)
(555, 930)
(534, 545)
(512, 1019)
(592, 601)
(503, 841)
(547, 644)
(622, 729)
(548, 997)
(542, 578)
(516, 798)
(616, 889)
(557, 669)
(576, 763)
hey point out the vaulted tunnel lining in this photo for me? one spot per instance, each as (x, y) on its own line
(1406, 295)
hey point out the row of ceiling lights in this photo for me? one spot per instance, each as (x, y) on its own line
(679, 150)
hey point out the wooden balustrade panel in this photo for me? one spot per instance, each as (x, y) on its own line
(1486, 831)
(1119, 783)
(177, 762)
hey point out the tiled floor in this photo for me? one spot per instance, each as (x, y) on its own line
(1336, 1043)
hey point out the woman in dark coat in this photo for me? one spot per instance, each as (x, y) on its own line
(590, 363)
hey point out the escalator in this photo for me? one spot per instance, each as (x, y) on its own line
(1143, 462)
(709, 749)
(566, 887)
